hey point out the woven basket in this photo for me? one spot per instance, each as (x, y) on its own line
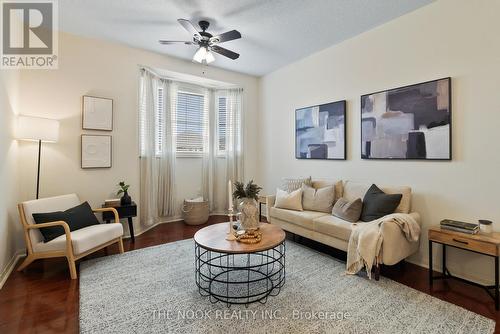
(195, 213)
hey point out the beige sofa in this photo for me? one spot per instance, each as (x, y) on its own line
(335, 232)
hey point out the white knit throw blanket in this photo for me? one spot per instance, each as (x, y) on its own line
(365, 243)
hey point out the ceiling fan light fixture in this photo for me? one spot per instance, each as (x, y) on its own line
(203, 55)
(207, 43)
(200, 55)
(209, 57)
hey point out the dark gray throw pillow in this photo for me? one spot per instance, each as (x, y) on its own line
(377, 204)
(346, 210)
(78, 217)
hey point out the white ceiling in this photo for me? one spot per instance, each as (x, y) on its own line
(275, 32)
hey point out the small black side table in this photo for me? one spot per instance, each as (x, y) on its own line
(124, 211)
(262, 199)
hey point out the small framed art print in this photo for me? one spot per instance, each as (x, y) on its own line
(96, 151)
(97, 113)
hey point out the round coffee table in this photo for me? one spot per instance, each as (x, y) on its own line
(237, 273)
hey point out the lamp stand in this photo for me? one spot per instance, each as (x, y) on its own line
(38, 172)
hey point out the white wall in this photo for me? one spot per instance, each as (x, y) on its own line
(10, 230)
(99, 68)
(457, 38)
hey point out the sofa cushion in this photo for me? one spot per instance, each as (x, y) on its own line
(348, 210)
(353, 190)
(333, 226)
(321, 199)
(290, 201)
(321, 183)
(377, 204)
(83, 239)
(301, 218)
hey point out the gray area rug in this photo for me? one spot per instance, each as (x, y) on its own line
(152, 290)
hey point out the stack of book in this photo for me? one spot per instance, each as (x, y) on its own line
(458, 226)
(112, 202)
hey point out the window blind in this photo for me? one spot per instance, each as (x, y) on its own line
(159, 122)
(221, 123)
(190, 123)
(190, 107)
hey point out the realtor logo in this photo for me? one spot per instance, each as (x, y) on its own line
(29, 34)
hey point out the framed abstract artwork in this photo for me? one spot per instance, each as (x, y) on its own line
(320, 131)
(97, 113)
(96, 151)
(411, 122)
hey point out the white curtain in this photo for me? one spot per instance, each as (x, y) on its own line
(209, 165)
(157, 145)
(233, 154)
(234, 137)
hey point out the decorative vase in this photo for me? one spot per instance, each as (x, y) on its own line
(126, 199)
(249, 214)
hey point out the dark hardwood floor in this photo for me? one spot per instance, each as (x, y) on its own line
(44, 299)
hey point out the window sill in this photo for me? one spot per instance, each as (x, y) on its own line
(188, 155)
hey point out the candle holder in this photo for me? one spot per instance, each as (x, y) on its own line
(230, 234)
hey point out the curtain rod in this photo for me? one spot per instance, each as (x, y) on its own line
(152, 71)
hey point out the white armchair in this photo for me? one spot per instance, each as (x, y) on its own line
(72, 245)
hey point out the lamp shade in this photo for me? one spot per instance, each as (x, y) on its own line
(37, 128)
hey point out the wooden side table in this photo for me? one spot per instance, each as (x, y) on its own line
(124, 211)
(485, 244)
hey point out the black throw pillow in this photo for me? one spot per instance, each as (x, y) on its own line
(53, 232)
(78, 217)
(377, 204)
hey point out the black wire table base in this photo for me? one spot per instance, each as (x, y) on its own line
(240, 278)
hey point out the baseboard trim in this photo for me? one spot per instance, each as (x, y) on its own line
(10, 266)
(467, 276)
(169, 220)
(144, 230)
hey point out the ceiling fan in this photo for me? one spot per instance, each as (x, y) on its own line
(206, 41)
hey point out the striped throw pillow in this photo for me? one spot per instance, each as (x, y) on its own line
(292, 184)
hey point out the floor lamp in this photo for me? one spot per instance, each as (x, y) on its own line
(40, 130)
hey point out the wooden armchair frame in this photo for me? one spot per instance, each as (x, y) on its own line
(68, 251)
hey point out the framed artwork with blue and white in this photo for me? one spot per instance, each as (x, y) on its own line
(320, 131)
(410, 122)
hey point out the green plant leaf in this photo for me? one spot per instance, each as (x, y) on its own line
(251, 190)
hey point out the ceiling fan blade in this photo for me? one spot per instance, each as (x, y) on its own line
(225, 37)
(225, 52)
(175, 42)
(186, 24)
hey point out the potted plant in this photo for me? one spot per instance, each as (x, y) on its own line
(247, 206)
(126, 199)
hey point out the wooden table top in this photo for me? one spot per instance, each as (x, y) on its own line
(492, 238)
(213, 237)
